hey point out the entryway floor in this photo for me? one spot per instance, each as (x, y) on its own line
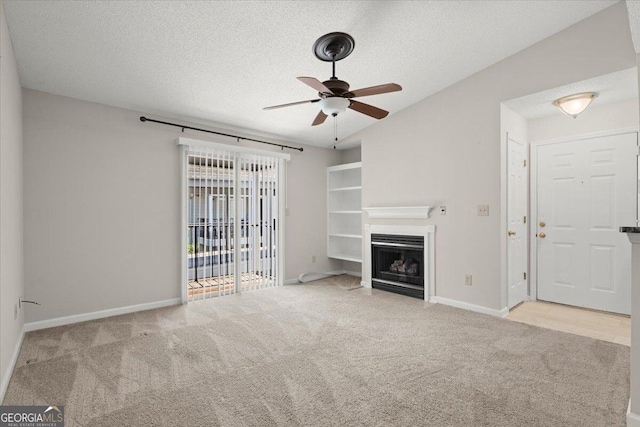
(589, 323)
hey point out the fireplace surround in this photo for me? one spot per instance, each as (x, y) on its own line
(425, 264)
(396, 264)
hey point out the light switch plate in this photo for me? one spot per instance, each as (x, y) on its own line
(483, 210)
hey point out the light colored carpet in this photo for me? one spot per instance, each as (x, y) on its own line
(320, 354)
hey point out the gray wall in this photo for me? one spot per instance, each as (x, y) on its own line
(634, 399)
(351, 155)
(11, 249)
(102, 200)
(446, 150)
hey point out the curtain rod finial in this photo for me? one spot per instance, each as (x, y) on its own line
(143, 119)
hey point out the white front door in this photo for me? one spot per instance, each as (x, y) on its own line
(516, 218)
(586, 189)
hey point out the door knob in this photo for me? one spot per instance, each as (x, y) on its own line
(542, 235)
(542, 223)
(511, 233)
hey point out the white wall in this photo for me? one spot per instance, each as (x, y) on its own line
(11, 166)
(446, 150)
(596, 118)
(102, 204)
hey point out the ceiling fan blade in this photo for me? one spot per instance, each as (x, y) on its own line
(290, 104)
(320, 118)
(369, 110)
(316, 84)
(373, 90)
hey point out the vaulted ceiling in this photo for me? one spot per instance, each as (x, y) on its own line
(220, 63)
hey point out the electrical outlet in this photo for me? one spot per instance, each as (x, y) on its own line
(483, 210)
(468, 279)
(313, 258)
(443, 210)
(15, 312)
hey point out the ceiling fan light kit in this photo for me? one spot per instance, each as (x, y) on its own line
(334, 105)
(573, 105)
(334, 94)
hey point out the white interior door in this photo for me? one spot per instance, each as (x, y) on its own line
(586, 189)
(517, 199)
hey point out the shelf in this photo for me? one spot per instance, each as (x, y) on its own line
(346, 212)
(346, 188)
(344, 216)
(347, 166)
(346, 257)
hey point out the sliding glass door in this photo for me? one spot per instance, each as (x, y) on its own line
(233, 205)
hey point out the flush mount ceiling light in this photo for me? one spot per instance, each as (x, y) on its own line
(573, 105)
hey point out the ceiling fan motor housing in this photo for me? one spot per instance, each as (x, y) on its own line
(338, 87)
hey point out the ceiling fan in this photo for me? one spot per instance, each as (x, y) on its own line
(334, 94)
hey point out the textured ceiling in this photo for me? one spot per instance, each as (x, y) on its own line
(220, 62)
(613, 87)
(633, 7)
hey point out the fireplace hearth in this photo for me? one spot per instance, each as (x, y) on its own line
(396, 262)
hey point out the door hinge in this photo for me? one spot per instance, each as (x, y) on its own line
(524, 220)
(525, 275)
(525, 162)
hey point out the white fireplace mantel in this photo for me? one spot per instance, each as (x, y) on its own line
(411, 212)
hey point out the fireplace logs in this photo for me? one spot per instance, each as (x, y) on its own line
(408, 267)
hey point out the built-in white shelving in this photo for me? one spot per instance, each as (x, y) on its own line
(356, 188)
(344, 206)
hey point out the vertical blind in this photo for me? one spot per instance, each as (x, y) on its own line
(232, 210)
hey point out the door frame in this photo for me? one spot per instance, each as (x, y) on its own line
(533, 195)
(184, 144)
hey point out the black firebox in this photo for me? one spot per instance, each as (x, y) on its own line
(397, 264)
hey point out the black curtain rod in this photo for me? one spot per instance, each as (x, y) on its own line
(144, 119)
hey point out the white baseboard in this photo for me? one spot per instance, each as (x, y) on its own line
(353, 273)
(12, 364)
(291, 281)
(76, 318)
(472, 307)
(633, 420)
